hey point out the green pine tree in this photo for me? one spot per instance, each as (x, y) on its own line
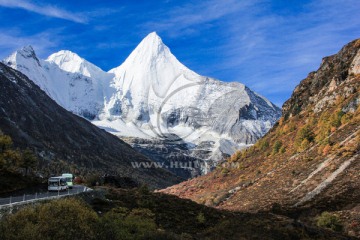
(29, 160)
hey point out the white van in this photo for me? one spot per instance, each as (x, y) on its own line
(57, 184)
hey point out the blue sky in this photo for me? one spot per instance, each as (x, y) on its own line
(268, 45)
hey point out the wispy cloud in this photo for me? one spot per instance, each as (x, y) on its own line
(47, 10)
(183, 20)
(290, 46)
(42, 42)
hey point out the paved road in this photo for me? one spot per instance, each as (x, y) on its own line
(26, 197)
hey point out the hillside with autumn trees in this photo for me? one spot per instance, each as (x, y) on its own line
(308, 163)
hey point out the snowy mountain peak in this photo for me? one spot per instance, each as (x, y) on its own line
(150, 48)
(152, 43)
(152, 37)
(64, 56)
(23, 55)
(27, 51)
(150, 52)
(71, 62)
(152, 66)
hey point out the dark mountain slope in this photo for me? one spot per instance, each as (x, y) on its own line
(34, 120)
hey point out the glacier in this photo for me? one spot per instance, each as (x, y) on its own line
(153, 96)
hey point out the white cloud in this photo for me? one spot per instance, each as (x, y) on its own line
(44, 10)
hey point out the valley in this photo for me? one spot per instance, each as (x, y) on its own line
(186, 144)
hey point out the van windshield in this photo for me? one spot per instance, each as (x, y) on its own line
(53, 183)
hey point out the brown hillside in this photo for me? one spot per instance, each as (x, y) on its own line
(309, 159)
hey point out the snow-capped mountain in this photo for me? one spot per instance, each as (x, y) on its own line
(71, 81)
(153, 96)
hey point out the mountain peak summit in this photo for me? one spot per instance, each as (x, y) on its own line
(150, 65)
(64, 54)
(27, 52)
(72, 62)
(149, 52)
(151, 46)
(63, 58)
(152, 38)
(153, 35)
(22, 55)
(27, 48)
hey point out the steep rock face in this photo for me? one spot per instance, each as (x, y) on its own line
(34, 120)
(308, 162)
(333, 71)
(153, 96)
